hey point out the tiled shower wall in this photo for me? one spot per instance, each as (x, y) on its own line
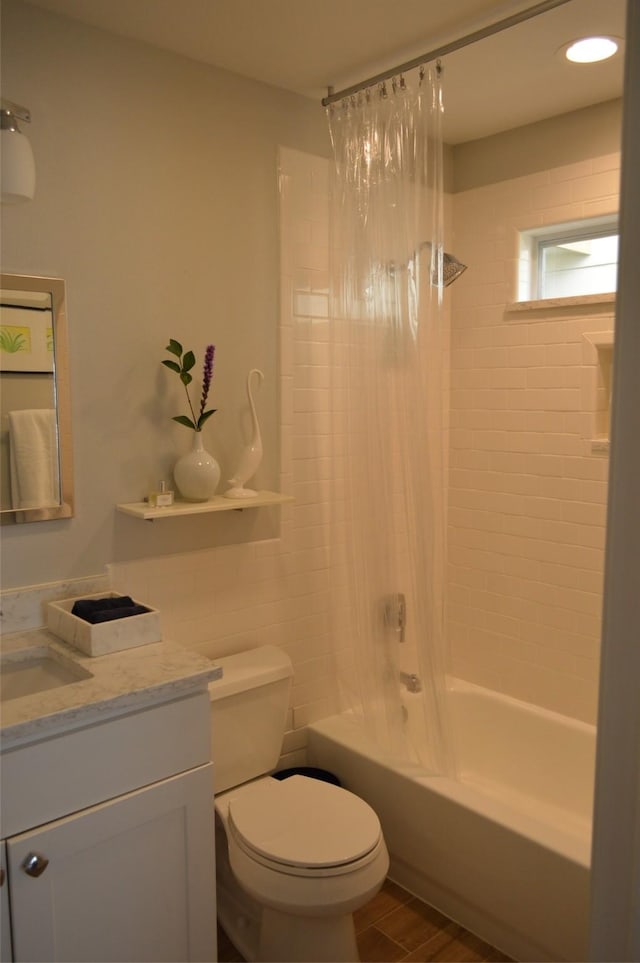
(527, 492)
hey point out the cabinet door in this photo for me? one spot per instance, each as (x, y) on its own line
(130, 880)
(5, 931)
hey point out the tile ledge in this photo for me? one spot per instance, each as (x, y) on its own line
(578, 301)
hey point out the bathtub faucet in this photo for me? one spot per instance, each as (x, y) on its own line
(411, 681)
(395, 614)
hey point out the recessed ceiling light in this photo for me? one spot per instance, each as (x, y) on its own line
(589, 50)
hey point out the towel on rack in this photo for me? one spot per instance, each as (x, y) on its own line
(33, 458)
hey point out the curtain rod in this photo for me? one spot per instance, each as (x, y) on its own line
(447, 48)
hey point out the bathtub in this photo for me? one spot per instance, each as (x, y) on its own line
(504, 849)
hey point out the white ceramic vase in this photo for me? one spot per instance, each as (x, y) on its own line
(252, 454)
(197, 473)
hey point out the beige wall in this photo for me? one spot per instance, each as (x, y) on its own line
(554, 142)
(157, 202)
(275, 592)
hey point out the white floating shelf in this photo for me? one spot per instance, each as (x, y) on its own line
(216, 504)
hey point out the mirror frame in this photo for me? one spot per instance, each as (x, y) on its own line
(55, 288)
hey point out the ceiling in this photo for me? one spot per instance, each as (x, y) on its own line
(504, 81)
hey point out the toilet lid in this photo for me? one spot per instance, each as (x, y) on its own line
(302, 822)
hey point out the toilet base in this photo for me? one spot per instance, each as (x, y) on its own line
(280, 938)
(238, 914)
(285, 938)
(241, 925)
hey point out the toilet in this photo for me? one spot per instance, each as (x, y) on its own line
(296, 856)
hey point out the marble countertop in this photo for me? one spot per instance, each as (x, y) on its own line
(119, 682)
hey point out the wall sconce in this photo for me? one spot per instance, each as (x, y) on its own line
(18, 169)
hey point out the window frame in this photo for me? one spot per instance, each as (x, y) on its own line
(534, 241)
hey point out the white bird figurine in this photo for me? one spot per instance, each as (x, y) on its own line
(252, 454)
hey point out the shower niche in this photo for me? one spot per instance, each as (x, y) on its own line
(600, 344)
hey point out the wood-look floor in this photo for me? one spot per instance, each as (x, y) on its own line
(396, 926)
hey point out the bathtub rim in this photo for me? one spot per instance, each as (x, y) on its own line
(456, 684)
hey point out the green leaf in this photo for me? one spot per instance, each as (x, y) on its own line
(188, 361)
(12, 343)
(173, 365)
(203, 417)
(183, 420)
(185, 378)
(174, 347)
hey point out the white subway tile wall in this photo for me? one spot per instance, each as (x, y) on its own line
(527, 494)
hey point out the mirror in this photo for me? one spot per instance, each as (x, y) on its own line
(36, 471)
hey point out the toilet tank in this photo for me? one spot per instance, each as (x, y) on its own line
(248, 714)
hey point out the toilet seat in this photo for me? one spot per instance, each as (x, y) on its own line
(303, 827)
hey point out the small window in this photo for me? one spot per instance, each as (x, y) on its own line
(569, 260)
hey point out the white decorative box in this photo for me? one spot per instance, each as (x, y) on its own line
(101, 638)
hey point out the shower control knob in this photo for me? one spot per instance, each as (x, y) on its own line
(35, 864)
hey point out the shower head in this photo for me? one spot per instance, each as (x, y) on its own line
(451, 269)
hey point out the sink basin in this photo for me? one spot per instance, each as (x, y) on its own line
(35, 670)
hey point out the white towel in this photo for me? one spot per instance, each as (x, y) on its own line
(33, 458)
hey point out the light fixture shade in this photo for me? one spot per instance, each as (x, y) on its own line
(17, 168)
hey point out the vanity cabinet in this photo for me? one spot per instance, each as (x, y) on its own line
(117, 881)
(131, 876)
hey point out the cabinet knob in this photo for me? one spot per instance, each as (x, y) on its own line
(35, 864)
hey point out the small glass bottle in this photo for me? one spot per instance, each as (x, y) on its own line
(162, 497)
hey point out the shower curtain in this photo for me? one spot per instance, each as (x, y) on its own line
(388, 353)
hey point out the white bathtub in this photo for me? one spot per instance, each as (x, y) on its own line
(505, 848)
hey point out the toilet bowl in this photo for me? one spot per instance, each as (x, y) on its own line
(295, 856)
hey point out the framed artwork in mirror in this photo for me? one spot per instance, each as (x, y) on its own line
(26, 331)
